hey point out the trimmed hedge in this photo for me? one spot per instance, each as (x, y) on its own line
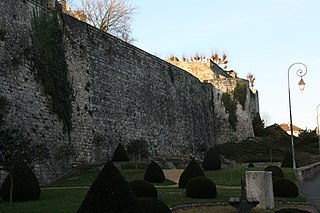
(201, 187)
(120, 154)
(291, 210)
(211, 160)
(110, 193)
(25, 185)
(154, 173)
(143, 188)
(276, 172)
(191, 171)
(151, 205)
(285, 188)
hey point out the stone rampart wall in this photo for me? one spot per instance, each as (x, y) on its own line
(121, 93)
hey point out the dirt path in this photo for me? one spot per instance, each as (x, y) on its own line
(173, 174)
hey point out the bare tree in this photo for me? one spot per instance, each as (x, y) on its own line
(112, 16)
(220, 60)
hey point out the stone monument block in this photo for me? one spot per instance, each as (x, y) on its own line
(259, 185)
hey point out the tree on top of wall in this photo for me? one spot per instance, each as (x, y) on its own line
(112, 16)
(222, 60)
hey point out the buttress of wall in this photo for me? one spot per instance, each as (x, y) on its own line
(135, 95)
(244, 129)
(27, 108)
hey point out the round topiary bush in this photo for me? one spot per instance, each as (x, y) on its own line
(285, 188)
(154, 173)
(143, 188)
(120, 154)
(153, 205)
(201, 187)
(211, 160)
(276, 172)
(110, 193)
(192, 170)
(25, 185)
(287, 160)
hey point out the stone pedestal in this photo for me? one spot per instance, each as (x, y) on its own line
(259, 185)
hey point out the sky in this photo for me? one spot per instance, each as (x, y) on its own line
(261, 37)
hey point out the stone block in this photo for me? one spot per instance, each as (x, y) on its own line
(259, 185)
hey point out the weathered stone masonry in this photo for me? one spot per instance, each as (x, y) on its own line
(120, 93)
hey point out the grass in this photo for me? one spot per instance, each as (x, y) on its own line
(68, 199)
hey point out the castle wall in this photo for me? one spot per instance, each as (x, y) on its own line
(135, 95)
(121, 93)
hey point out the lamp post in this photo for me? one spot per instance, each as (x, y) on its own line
(318, 127)
(301, 71)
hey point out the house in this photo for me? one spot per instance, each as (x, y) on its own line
(296, 130)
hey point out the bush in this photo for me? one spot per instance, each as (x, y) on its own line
(153, 205)
(276, 172)
(110, 193)
(285, 188)
(192, 170)
(120, 154)
(25, 185)
(154, 173)
(287, 160)
(291, 210)
(211, 160)
(201, 187)
(143, 188)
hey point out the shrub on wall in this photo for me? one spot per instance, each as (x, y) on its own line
(285, 188)
(201, 187)
(110, 193)
(120, 154)
(50, 65)
(143, 188)
(258, 125)
(211, 160)
(24, 182)
(191, 171)
(240, 93)
(231, 109)
(154, 173)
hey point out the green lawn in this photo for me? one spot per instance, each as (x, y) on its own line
(56, 200)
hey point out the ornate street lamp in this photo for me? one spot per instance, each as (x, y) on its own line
(301, 71)
(318, 127)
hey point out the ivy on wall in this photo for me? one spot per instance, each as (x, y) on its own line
(231, 109)
(50, 65)
(240, 93)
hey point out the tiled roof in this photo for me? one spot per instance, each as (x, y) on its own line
(286, 127)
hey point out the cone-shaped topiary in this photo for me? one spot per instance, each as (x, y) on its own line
(287, 160)
(143, 188)
(285, 188)
(276, 172)
(192, 170)
(110, 193)
(201, 187)
(250, 165)
(153, 205)
(25, 184)
(154, 173)
(211, 160)
(120, 154)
